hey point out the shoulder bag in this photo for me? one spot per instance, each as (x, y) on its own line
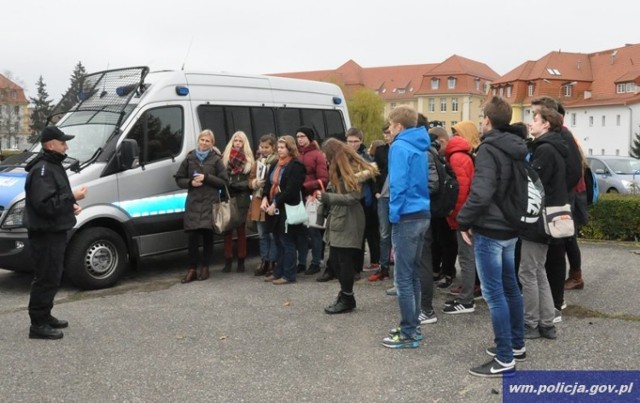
(296, 214)
(225, 214)
(558, 221)
(314, 209)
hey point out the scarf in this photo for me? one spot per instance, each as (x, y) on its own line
(277, 175)
(237, 160)
(201, 155)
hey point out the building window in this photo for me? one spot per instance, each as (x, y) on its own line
(435, 83)
(453, 123)
(617, 120)
(443, 104)
(590, 121)
(454, 104)
(630, 87)
(493, 92)
(478, 84)
(617, 151)
(401, 91)
(573, 119)
(392, 105)
(604, 118)
(620, 88)
(509, 92)
(451, 82)
(530, 89)
(501, 91)
(432, 104)
(568, 90)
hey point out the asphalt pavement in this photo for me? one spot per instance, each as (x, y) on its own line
(234, 338)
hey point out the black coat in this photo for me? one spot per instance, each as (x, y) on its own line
(291, 180)
(198, 206)
(49, 198)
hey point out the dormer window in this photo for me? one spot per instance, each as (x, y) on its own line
(435, 83)
(401, 90)
(451, 83)
(530, 89)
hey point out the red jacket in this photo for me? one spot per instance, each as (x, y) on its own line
(315, 164)
(457, 153)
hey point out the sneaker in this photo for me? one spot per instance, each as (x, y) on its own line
(494, 369)
(371, 267)
(459, 307)
(313, 269)
(397, 341)
(563, 306)
(445, 283)
(427, 317)
(548, 332)
(557, 318)
(531, 332)
(380, 275)
(396, 332)
(391, 291)
(519, 354)
(455, 291)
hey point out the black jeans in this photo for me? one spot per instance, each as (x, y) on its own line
(47, 251)
(343, 262)
(426, 273)
(556, 267)
(444, 247)
(371, 235)
(207, 247)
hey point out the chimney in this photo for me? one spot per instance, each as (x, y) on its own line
(579, 64)
(612, 58)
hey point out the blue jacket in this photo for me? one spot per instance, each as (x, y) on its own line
(409, 173)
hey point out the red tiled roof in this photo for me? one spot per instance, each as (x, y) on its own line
(5, 83)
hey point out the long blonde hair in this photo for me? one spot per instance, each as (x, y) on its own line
(246, 149)
(345, 163)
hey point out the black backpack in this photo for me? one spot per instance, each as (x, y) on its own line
(573, 160)
(444, 199)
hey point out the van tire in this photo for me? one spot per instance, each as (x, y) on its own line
(95, 258)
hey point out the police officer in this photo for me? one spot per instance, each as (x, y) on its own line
(51, 207)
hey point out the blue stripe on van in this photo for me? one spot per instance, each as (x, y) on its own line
(155, 205)
(11, 184)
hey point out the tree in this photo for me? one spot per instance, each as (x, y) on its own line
(634, 151)
(41, 110)
(366, 110)
(71, 97)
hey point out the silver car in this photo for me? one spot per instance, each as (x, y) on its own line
(616, 174)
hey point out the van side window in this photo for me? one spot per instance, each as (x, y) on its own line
(159, 133)
(288, 121)
(263, 122)
(335, 124)
(313, 118)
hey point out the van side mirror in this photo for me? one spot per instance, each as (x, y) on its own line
(128, 154)
(599, 171)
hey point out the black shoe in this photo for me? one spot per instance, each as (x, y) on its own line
(344, 303)
(57, 323)
(325, 276)
(313, 269)
(227, 266)
(548, 332)
(494, 369)
(301, 268)
(240, 268)
(44, 332)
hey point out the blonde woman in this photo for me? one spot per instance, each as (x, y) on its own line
(203, 174)
(346, 220)
(238, 160)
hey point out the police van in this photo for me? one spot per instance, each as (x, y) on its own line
(132, 129)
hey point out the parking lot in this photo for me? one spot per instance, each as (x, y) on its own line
(236, 338)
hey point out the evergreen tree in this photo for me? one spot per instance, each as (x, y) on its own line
(71, 97)
(634, 151)
(41, 110)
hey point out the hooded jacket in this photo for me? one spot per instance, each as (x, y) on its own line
(408, 174)
(457, 153)
(315, 165)
(491, 176)
(49, 198)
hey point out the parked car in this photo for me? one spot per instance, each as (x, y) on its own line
(616, 174)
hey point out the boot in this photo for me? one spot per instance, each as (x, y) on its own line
(190, 276)
(344, 303)
(227, 265)
(574, 282)
(327, 275)
(271, 267)
(204, 273)
(240, 268)
(262, 269)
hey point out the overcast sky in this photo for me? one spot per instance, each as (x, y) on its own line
(48, 38)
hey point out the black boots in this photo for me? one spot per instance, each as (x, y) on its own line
(327, 275)
(44, 331)
(204, 273)
(190, 276)
(227, 265)
(262, 270)
(344, 303)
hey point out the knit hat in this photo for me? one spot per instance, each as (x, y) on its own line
(311, 135)
(53, 133)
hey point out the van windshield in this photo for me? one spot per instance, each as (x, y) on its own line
(624, 166)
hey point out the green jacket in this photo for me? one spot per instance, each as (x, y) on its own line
(345, 222)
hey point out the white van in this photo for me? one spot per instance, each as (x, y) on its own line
(132, 129)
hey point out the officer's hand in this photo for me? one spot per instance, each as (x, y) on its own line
(80, 193)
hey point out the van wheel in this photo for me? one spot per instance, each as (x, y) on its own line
(613, 190)
(95, 258)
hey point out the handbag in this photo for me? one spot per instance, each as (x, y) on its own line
(558, 221)
(315, 210)
(225, 214)
(296, 214)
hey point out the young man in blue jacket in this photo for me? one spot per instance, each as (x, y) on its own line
(409, 214)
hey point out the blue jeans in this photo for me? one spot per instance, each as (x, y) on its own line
(268, 247)
(496, 268)
(286, 266)
(408, 238)
(385, 231)
(311, 236)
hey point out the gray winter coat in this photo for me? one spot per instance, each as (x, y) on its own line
(197, 214)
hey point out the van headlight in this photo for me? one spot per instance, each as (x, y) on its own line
(14, 216)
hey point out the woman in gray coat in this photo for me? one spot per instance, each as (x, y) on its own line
(346, 221)
(203, 174)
